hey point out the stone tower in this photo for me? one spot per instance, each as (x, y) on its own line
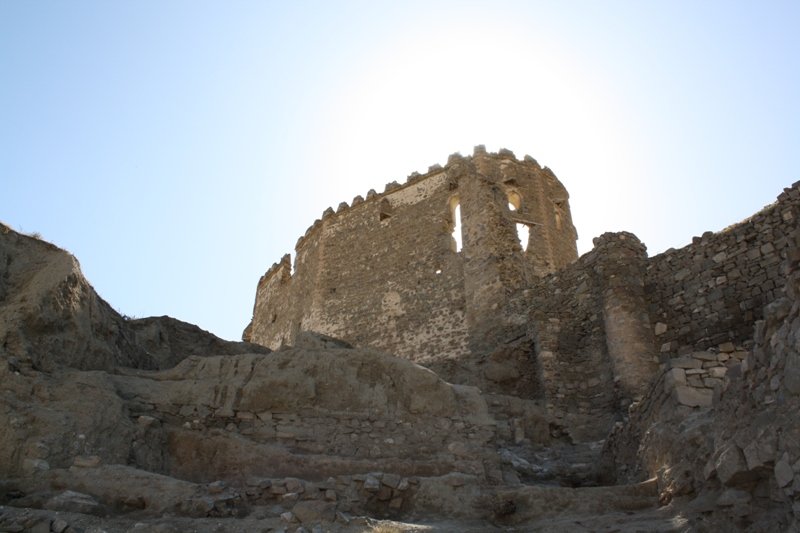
(384, 271)
(502, 199)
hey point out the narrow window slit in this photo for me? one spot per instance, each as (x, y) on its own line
(524, 235)
(454, 224)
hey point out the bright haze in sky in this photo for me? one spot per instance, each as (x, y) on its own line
(178, 149)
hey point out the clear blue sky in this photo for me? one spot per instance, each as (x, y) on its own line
(178, 149)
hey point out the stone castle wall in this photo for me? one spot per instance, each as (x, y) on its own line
(585, 334)
(713, 290)
(353, 278)
(602, 320)
(383, 272)
(591, 337)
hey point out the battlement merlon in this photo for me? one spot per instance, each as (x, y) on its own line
(284, 266)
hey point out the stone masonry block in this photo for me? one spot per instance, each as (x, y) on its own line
(674, 377)
(685, 362)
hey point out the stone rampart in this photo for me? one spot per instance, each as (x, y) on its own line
(584, 334)
(713, 290)
(597, 324)
(591, 335)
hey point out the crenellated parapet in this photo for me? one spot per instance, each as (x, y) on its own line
(416, 177)
(282, 268)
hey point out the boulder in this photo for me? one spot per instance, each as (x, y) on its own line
(731, 467)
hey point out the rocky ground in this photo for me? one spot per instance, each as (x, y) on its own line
(112, 424)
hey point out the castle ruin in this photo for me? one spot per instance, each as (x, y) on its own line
(629, 392)
(585, 334)
(385, 272)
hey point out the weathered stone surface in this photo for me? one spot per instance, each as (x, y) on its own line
(73, 502)
(371, 483)
(391, 480)
(458, 449)
(674, 377)
(783, 473)
(732, 467)
(295, 485)
(59, 526)
(734, 497)
(145, 420)
(791, 376)
(33, 466)
(727, 347)
(704, 356)
(314, 510)
(753, 454)
(717, 372)
(692, 397)
(90, 461)
(685, 362)
(41, 527)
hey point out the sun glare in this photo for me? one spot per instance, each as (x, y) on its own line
(450, 89)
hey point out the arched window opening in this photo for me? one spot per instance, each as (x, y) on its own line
(524, 235)
(514, 200)
(559, 206)
(385, 209)
(455, 224)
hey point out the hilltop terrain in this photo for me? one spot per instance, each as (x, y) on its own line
(117, 425)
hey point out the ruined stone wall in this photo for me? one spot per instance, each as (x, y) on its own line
(283, 299)
(722, 424)
(600, 326)
(353, 434)
(713, 290)
(384, 272)
(591, 334)
(565, 321)
(381, 273)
